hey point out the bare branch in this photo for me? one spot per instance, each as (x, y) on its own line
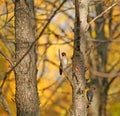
(101, 14)
(49, 20)
(105, 75)
(114, 65)
(54, 92)
(103, 41)
(48, 86)
(5, 104)
(6, 14)
(111, 81)
(38, 36)
(59, 55)
(7, 58)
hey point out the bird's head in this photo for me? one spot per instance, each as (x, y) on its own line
(63, 54)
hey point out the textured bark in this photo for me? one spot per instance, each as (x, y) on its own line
(93, 110)
(100, 83)
(79, 107)
(102, 54)
(78, 97)
(27, 101)
(102, 109)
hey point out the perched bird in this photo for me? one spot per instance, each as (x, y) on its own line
(89, 95)
(63, 62)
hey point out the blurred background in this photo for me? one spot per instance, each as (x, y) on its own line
(102, 61)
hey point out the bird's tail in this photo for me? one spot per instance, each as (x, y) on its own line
(89, 103)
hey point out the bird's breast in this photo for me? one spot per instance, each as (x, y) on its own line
(64, 62)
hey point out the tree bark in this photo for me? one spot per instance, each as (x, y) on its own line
(100, 83)
(79, 107)
(102, 55)
(27, 101)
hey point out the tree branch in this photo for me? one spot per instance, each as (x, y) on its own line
(101, 14)
(7, 58)
(54, 91)
(5, 104)
(34, 42)
(105, 75)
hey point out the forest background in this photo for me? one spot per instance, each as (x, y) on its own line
(103, 58)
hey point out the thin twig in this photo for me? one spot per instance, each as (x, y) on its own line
(49, 86)
(67, 76)
(5, 104)
(101, 14)
(111, 81)
(54, 92)
(7, 58)
(103, 41)
(38, 36)
(6, 14)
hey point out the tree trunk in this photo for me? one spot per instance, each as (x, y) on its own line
(100, 83)
(79, 107)
(27, 101)
(102, 109)
(93, 109)
(78, 97)
(102, 56)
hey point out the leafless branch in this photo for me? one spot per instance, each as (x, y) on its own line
(62, 43)
(59, 85)
(7, 58)
(103, 41)
(101, 14)
(106, 75)
(46, 60)
(38, 36)
(112, 80)
(6, 13)
(49, 86)
(49, 20)
(113, 66)
(6, 43)
(5, 104)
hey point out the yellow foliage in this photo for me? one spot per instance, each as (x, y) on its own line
(2, 2)
(106, 28)
(115, 14)
(93, 31)
(55, 98)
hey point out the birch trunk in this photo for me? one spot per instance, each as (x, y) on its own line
(79, 107)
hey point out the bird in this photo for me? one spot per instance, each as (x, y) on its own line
(89, 95)
(63, 62)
